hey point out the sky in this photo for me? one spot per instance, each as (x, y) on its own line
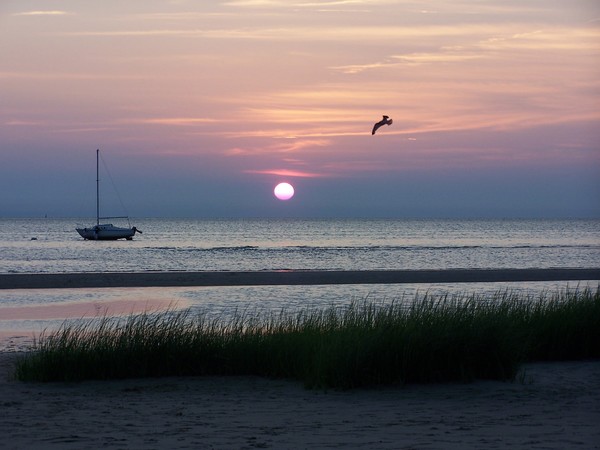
(199, 108)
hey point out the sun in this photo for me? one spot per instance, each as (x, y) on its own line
(284, 191)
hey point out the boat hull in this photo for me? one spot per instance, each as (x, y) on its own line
(106, 232)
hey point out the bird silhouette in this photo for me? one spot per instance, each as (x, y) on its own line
(385, 121)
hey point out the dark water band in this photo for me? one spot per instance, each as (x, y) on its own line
(287, 277)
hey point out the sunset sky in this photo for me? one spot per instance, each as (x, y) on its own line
(201, 107)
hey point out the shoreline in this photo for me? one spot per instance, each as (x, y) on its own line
(551, 406)
(287, 277)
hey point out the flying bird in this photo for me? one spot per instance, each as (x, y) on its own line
(385, 121)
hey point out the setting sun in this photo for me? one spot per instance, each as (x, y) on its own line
(284, 191)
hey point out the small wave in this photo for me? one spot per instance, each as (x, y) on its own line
(430, 247)
(205, 249)
(372, 247)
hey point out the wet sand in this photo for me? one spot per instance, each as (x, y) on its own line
(551, 406)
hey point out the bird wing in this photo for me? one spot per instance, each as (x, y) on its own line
(385, 121)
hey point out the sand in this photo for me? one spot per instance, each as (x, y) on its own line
(552, 406)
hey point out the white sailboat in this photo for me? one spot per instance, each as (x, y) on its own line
(105, 231)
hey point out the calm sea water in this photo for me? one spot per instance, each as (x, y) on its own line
(53, 245)
(301, 244)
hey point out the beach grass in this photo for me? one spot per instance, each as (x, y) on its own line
(431, 338)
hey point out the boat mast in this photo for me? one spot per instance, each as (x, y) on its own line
(97, 190)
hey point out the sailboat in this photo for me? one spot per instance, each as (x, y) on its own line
(105, 231)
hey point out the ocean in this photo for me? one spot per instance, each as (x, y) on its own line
(53, 245)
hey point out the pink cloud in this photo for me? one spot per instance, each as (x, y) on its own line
(287, 173)
(43, 13)
(280, 146)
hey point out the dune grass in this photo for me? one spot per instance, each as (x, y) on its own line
(429, 339)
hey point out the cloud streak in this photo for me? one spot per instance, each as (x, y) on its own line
(286, 173)
(44, 13)
(173, 121)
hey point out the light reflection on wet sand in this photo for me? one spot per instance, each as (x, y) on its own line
(26, 318)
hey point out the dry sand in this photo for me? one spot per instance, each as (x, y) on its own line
(552, 406)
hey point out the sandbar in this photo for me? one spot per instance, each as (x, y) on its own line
(287, 277)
